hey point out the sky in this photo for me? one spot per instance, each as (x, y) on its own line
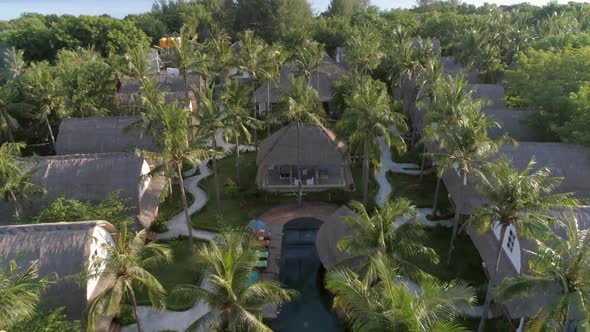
(10, 9)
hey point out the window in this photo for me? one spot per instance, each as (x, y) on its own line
(511, 240)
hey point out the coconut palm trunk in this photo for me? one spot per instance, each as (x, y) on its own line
(137, 320)
(185, 206)
(237, 159)
(216, 177)
(8, 127)
(300, 188)
(422, 164)
(436, 193)
(51, 136)
(365, 175)
(493, 281)
(18, 208)
(456, 223)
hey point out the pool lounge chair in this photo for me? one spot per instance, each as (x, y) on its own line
(262, 264)
(263, 254)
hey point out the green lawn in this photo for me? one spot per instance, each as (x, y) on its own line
(413, 155)
(239, 208)
(182, 270)
(466, 263)
(421, 193)
(172, 205)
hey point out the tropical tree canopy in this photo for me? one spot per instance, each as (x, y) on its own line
(127, 263)
(20, 291)
(393, 304)
(559, 264)
(236, 304)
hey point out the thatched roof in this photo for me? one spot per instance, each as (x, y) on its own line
(85, 177)
(493, 93)
(62, 248)
(89, 177)
(513, 122)
(487, 245)
(329, 71)
(166, 82)
(572, 162)
(451, 67)
(101, 135)
(333, 230)
(317, 146)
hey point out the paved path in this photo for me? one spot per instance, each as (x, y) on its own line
(177, 225)
(156, 320)
(387, 164)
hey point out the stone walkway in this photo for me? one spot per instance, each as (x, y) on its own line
(177, 225)
(156, 320)
(387, 164)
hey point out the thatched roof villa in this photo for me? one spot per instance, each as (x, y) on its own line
(314, 159)
(101, 135)
(328, 72)
(91, 177)
(65, 249)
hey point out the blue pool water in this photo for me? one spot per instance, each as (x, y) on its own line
(302, 271)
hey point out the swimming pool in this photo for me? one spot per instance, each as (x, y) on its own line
(302, 270)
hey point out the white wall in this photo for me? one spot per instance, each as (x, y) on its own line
(144, 182)
(514, 255)
(100, 237)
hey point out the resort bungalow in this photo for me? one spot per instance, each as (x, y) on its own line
(91, 177)
(172, 85)
(515, 260)
(572, 162)
(65, 249)
(312, 160)
(322, 80)
(101, 135)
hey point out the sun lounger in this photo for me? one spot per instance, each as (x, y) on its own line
(262, 264)
(263, 254)
(260, 243)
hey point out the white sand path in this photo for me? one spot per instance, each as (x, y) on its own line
(154, 320)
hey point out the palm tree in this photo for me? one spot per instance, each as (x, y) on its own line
(10, 109)
(14, 176)
(515, 199)
(236, 304)
(308, 58)
(369, 117)
(45, 91)
(237, 122)
(211, 120)
(454, 108)
(138, 64)
(219, 47)
(14, 63)
(301, 106)
(429, 79)
(275, 57)
(176, 148)
(362, 49)
(562, 263)
(20, 290)
(252, 59)
(465, 145)
(184, 55)
(392, 231)
(391, 304)
(126, 263)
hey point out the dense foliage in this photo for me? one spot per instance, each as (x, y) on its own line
(111, 209)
